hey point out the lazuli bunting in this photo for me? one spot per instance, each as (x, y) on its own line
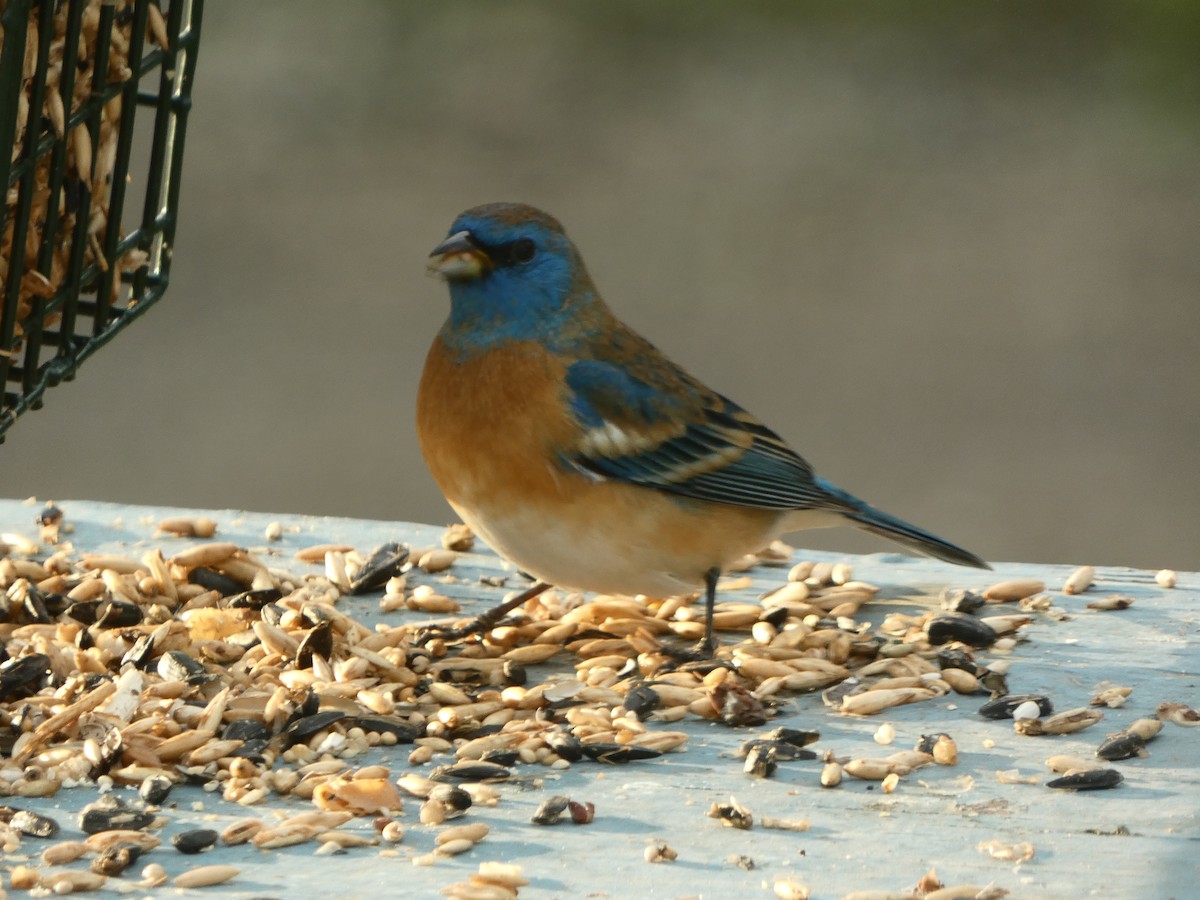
(579, 452)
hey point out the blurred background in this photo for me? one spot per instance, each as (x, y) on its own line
(948, 250)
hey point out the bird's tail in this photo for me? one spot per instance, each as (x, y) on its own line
(868, 518)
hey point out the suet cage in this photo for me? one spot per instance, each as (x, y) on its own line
(92, 187)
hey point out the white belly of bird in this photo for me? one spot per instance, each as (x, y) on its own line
(589, 557)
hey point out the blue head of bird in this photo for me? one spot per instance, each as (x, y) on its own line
(513, 275)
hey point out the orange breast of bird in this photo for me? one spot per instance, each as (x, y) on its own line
(494, 430)
(488, 424)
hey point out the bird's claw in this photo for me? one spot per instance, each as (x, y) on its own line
(446, 633)
(700, 652)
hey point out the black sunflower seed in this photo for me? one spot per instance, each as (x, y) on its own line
(384, 563)
(110, 813)
(1122, 746)
(319, 642)
(393, 725)
(23, 676)
(195, 841)
(470, 770)
(550, 810)
(212, 580)
(255, 599)
(760, 761)
(175, 665)
(303, 728)
(946, 627)
(118, 614)
(1090, 780)
(454, 798)
(564, 744)
(245, 730)
(615, 754)
(1003, 707)
(641, 700)
(155, 789)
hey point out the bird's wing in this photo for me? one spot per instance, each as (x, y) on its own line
(667, 431)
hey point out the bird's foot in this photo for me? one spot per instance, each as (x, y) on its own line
(449, 633)
(699, 653)
(479, 624)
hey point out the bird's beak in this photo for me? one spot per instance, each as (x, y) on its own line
(459, 258)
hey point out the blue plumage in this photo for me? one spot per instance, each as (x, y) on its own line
(539, 300)
(598, 389)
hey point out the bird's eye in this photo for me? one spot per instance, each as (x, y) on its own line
(523, 250)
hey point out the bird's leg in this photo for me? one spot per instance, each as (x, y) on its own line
(483, 622)
(705, 650)
(707, 647)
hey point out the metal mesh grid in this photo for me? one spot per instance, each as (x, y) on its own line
(73, 74)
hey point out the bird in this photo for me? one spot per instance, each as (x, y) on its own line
(584, 456)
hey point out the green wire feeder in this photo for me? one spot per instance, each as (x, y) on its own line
(73, 273)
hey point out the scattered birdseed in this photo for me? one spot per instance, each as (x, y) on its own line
(1166, 578)
(267, 686)
(206, 876)
(791, 890)
(1113, 602)
(659, 852)
(1179, 714)
(1079, 580)
(1087, 780)
(1020, 852)
(731, 814)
